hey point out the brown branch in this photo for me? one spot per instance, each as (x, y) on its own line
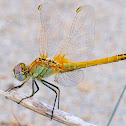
(44, 109)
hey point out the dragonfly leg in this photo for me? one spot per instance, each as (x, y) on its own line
(33, 91)
(56, 88)
(37, 87)
(48, 85)
(19, 86)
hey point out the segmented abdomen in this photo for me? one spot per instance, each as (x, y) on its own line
(73, 66)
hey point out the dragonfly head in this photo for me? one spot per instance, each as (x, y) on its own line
(20, 72)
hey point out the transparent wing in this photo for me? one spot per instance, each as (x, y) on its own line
(51, 30)
(78, 45)
(71, 78)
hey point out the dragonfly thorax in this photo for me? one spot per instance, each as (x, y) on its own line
(47, 61)
(43, 67)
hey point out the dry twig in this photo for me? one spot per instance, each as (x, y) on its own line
(44, 109)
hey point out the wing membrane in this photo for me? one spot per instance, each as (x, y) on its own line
(51, 30)
(79, 44)
(70, 78)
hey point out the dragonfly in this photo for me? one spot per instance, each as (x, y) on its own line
(62, 57)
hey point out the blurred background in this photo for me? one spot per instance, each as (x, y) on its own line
(93, 99)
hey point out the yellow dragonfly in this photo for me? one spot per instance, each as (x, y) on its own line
(62, 58)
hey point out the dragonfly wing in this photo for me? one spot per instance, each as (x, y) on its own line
(79, 43)
(51, 30)
(70, 78)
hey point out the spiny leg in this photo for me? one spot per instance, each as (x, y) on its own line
(55, 98)
(33, 91)
(56, 88)
(37, 87)
(47, 84)
(19, 86)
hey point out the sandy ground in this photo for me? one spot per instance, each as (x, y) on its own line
(92, 100)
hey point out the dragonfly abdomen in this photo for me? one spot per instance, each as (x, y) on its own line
(73, 66)
(115, 58)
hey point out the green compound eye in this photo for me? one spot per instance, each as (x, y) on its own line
(18, 72)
